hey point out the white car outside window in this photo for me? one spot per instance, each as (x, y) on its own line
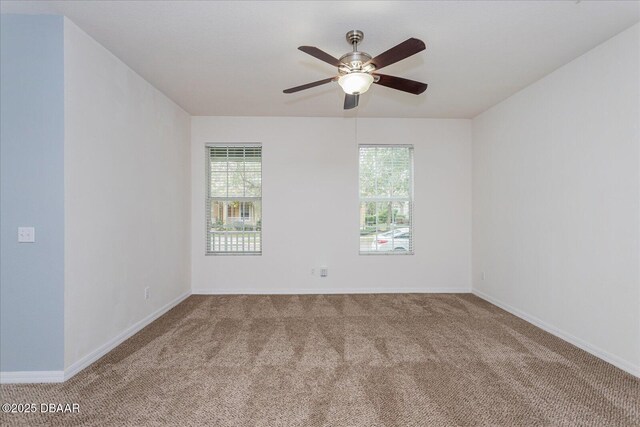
(395, 240)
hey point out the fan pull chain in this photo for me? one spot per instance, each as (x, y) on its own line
(356, 130)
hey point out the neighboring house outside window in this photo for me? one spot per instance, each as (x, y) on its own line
(386, 199)
(234, 199)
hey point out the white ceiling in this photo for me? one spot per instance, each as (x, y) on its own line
(235, 58)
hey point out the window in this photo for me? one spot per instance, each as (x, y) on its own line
(234, 199)
(386, 199)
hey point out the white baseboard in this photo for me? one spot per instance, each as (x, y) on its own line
(31, 377)
(127, 333)
(439, 290)
(589, 348)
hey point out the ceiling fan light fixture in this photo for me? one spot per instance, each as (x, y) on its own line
(355, 83)
(356, 68)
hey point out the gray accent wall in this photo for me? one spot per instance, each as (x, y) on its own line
(32, 192)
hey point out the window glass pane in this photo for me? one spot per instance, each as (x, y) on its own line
(253, 178)
(385, 227)
(235, 226)
(367, 172)
(236, 178)
(218, 174)
(235, 172)
(385, 172)
(401, 172)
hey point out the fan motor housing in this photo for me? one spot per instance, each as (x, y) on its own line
(354, 61)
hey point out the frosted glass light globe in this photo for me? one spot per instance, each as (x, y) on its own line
(355, 83)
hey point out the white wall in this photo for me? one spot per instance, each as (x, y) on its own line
(556, 201)
(311, 210)
(127, 199)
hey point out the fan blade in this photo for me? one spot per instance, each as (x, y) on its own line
(351, 101)
(321, 55)
(397, 53)
(309, 85)
(399, 83)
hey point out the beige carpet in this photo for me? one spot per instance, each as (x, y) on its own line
(340, 360)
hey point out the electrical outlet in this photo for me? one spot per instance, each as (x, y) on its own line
(146, 293)
(313, 271)
(26, 234)
(324, 271)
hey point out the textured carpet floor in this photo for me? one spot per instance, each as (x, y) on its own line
(340, 360)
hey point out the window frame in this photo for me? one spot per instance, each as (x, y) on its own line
(208, 199)
(410, 199)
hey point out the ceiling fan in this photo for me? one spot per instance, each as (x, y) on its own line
(356, 69)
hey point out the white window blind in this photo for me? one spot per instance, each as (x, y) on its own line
(386, 199)
(234, 199)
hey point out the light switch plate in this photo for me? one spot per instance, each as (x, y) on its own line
(26, 234)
